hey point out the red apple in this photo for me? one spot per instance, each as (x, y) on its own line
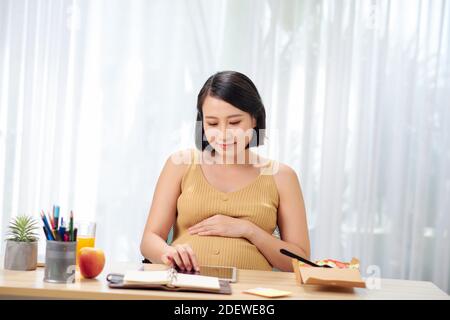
(91, 262)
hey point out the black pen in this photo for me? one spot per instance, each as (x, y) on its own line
(293, 255)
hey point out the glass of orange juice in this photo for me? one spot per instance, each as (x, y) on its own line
(85, 235)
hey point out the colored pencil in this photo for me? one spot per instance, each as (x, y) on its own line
(71, 226)
(52, 217)
(56, 216)
(45, 232)
(62, 231)
(49, 230)
(50, 220)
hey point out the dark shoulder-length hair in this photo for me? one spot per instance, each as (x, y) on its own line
(238, 90)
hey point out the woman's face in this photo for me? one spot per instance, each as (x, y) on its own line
(227, 128)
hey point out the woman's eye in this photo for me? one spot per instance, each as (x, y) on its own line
(235, 123)
(212, 124)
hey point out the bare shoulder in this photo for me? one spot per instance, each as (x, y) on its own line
(181, 157)
(285, 177)
(178, 162)
(281, 172)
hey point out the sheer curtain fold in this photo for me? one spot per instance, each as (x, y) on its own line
(95, 95)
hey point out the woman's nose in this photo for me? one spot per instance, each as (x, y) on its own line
(225, 133)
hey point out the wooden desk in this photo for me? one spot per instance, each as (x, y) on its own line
(30, 284)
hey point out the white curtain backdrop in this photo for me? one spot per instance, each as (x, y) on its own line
(95, 95)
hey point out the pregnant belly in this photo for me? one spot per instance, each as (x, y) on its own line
(224, 251)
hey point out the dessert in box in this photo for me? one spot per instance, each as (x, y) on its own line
(329, 272)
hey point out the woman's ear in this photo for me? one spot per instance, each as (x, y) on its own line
(253, 122)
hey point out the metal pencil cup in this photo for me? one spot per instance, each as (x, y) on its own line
(60, 261)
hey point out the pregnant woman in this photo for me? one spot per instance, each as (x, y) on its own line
(224, 201)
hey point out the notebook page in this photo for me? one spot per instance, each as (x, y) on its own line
(147, 277)
(195, 281)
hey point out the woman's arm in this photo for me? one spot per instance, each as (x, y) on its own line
(292, 223)
(162, 216)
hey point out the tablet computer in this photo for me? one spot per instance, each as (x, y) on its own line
(223, 273)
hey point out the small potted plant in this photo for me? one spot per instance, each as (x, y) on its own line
(21, 244)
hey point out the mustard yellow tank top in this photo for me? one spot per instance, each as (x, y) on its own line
(199, 200)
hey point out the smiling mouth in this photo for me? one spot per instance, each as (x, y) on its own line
(226, 145)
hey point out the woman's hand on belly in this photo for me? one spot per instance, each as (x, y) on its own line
(182, 256)
(221, 225)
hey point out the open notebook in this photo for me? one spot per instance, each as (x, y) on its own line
(168, 279)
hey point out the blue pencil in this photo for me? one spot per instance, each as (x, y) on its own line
(49, 230)
(62, 230)
(45, 232)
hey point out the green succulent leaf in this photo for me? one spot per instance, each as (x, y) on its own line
(23, 228)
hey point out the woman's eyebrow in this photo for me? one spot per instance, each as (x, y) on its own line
(232, 116)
